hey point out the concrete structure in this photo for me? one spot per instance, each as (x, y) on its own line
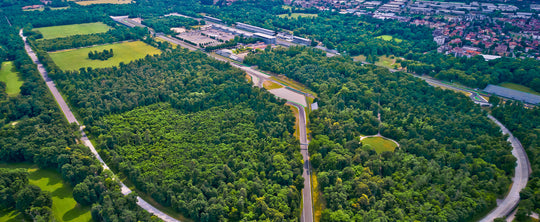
(301, 41)
(212, 19)
(252, 28)
(513, 94)
(268, 39)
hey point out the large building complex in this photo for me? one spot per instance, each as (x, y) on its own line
(252, 28)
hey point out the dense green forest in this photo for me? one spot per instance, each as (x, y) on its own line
(213, 115)
(475, 71)
(452, 162)
(15, 191)
(524, 124)
(32, 129)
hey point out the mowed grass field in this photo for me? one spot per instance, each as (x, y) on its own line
(519, 87)
(388, 38)
(53, 32)
(103, 2)
(9, 76)
(126, 52)
(296, 15)
(380, 144)
(64, 207)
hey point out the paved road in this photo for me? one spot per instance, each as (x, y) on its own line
(71, 119)
(307, 212)
(521, 176)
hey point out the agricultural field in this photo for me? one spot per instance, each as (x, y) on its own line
(92, 2)
(296, 15)
(11, 78)
(64, 207)
(380, 144)
(519, 87)
(53, 32)
(388, 38)
(126, 52)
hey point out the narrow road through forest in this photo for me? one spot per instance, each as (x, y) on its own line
(71, 119)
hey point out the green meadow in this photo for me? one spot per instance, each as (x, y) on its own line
(74, 59)
(10, 77)
(53, 32)
(296, 15)
(388, 38)
(64, 207)
(379, 144)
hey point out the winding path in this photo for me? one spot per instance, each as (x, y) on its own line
(71, 119)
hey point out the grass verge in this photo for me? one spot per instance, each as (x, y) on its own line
(123, 52)
(269, 85)
(53, 32)
(64, 207)
(519, 87)
(293, 84)
(9, 76)
(318, 201)
(297, 121)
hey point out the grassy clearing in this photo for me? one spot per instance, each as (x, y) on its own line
(41, 9)
(384, 61)
(519, 87)
(269, 85)
(297, 121)
(64, 207)
(9, 76)
(174, 45)
(103, 2)
(296, 15)
(318, 202)
(53, 32)
(388, 38)
(380, 144)
(12, 216)
(123, 52)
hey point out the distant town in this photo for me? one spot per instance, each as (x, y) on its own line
(460, 29)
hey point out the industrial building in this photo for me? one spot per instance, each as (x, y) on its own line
(255, 29)
(301, 41)
(268, 39)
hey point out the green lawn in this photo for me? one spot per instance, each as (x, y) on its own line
(296, 15)
(379, 144)
(519, 87)
(123, 52)
(388, 38)
(53, 32)
(9, 76)
(64, 207)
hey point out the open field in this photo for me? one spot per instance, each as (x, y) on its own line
(123, 52)
(296, 15)
(269, 85)
(384, 61)
(379, 144)
(53, 32)
(103, 2)
(388, 38)
(64, 207)
(11, 78)
(41, 9)
(519, 87)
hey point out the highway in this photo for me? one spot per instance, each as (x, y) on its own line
(71, 119)
(521, 177)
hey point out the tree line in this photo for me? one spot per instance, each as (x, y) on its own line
(104, 55)
(452, 162)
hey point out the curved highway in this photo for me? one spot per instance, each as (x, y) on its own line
(71, 119)
(521, 177)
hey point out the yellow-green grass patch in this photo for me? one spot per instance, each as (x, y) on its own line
(53, 32)
(379, 144)
(64, 207)
(126, 52)
(297, 121)
(318, 202)
(293, 84)
(103, 2)
(269, 85)
(296, 15)
(10, 77)
(388, 38)
(12, 215)
(519, 87)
